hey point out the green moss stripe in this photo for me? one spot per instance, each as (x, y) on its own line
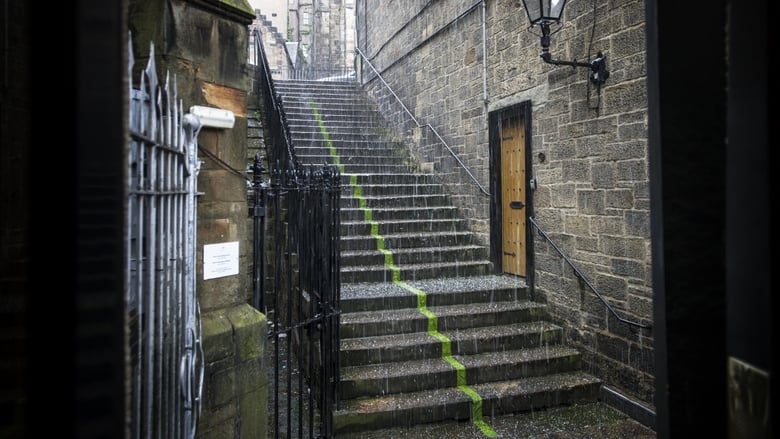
(325, 135)
(446, 353)
(422, 306)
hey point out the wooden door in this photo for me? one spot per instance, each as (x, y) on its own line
(513, 201)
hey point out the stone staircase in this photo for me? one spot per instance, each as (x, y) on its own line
(428, 332)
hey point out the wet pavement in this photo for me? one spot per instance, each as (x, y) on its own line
(587, 421)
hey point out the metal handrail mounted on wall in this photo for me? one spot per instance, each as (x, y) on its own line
(584, 279)
(427, 125)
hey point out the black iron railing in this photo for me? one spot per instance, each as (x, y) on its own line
(295, 212)
(280, 151)
(299, 292)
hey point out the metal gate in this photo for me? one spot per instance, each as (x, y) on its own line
(301, 295)
(162, 306)
(296, 280)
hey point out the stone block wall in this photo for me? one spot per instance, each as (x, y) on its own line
(588, 147)
(204, 44)
(235, 399)
(433, 64)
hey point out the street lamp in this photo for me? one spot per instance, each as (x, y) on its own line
(547, 12)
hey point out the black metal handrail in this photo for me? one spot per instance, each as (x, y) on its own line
(427, 125)
(282, 153)
(582, 276)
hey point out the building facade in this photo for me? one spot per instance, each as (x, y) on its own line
(325, 31)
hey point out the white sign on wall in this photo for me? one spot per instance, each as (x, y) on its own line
(220, 260)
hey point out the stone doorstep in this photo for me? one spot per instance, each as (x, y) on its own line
(390, 378)
(467, 341)
(450, 403)
(406, 320)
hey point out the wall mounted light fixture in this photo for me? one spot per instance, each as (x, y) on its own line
(549, 12)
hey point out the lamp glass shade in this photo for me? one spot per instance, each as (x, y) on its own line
(544, 11)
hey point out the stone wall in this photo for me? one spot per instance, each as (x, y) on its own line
(203, 44)
(589, 148)
(433, 63)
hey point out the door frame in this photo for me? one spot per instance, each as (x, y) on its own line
(522, 111)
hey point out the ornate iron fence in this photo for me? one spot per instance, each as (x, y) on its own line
(162, 306)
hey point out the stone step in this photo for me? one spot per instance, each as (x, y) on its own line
(350, 214)
(342, 91)
(391, 201)
(387, 178)
(417, 255)
(349, 162)
(511, 396)
(448, 318)
(438, 292)
(303, 121)
(389, 378)
(357, 168)
(316, 134)
(390, 227)
(350, 151)
(304, 109)
(381, 273)
(337, 118)
(320, 100)
(379, 190)
(406, 240)
(467, 341)
(382, 146)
